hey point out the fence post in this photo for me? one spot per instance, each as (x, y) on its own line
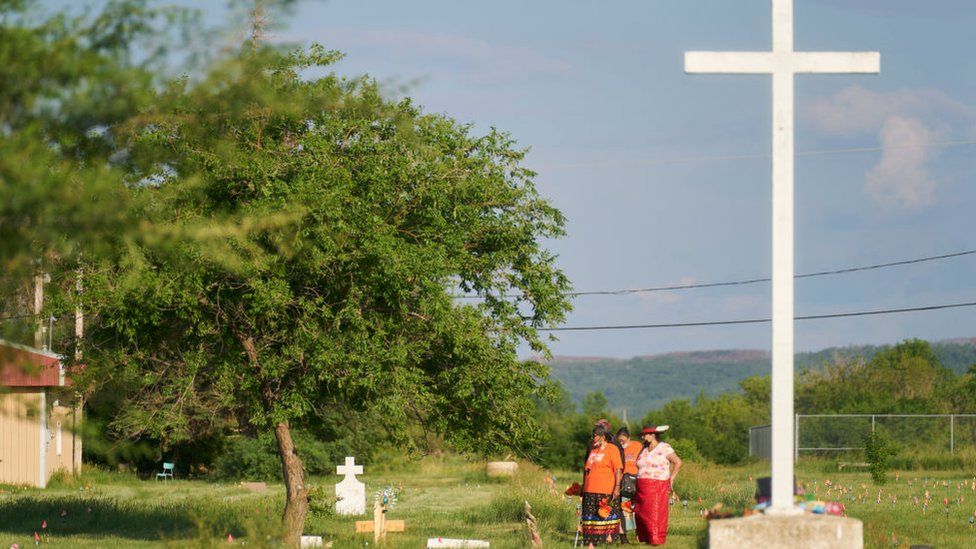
(952, 434)
(872, 423)
(796, 437)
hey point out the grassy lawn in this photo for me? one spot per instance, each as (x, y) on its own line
(450, 497)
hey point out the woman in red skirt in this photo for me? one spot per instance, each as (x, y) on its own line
(657, 467)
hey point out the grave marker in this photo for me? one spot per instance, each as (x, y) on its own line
(379, 526)
(350, 492)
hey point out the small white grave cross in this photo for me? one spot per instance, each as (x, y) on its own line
(350, 492)
(782, 63)
(350, 468)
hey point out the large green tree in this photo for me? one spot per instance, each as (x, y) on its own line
(308, 237)
(65, 83)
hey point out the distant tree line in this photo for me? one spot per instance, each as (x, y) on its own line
(907, 378)
(644, 383)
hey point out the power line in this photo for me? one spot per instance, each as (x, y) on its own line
(756, 320)
(748, 281)
(754, 156)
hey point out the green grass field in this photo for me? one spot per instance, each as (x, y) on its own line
(450, 497)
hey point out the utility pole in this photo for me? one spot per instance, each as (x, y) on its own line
(79, 318)
(39, 281)
(76, 412)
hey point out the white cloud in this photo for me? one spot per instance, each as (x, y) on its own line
(900, 178)
(908, 124)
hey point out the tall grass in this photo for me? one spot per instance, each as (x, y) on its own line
(451, 496)
(915, 459)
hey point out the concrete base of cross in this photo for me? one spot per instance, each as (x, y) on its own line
(786, 532)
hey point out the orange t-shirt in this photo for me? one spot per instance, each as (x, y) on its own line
(630, 456)
(601, 467)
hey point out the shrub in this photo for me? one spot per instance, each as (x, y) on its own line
(256, 458)
(248, 457)
(878, 452)
(686, 449)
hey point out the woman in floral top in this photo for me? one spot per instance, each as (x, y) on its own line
(657, 467)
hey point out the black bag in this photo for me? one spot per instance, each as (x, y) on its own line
(628, 485)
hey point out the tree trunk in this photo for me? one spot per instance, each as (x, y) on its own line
(296, 493)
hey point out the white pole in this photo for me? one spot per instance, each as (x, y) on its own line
(42, 447)
(796, 437)
(952, 434)
(38, 305)
(79, 318)
(782, 279)
(79, 406)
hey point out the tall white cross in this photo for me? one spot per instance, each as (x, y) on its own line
(782, 63)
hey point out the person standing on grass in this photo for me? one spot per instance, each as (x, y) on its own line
(605, 423)
(631, 449)
(600, 519)
(657, 467)
(617, 503)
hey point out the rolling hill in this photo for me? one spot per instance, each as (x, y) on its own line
(644, 383)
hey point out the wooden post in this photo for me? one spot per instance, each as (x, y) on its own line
(378, 523)
(534, 539)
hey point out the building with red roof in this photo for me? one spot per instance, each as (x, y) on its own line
(39, 435)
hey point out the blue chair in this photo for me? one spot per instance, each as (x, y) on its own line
(167, 472)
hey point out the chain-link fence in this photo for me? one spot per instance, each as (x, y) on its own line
(840, 432)
(833, 433)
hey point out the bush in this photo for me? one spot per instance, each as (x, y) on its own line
(256, 458)
(686, 449)
(250, 458)
(878, 452)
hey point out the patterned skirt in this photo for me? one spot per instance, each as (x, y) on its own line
(597, 529)
(651, 510)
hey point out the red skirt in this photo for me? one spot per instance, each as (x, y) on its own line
(651, 510)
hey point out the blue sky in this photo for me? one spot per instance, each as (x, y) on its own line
(647, 162)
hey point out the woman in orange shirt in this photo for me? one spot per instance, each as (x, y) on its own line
(601, 486)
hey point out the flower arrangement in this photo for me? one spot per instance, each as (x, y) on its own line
(387, 497)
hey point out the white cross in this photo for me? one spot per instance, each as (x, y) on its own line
(782, 63)
(350, 468)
